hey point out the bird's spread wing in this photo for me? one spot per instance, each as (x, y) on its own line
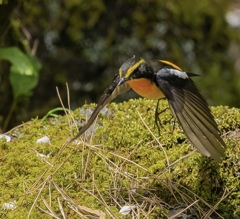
(109, 94)
(193, 115)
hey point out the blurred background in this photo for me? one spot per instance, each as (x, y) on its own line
(84, 43)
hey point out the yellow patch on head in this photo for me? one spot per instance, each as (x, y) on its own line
(145, 88)
(171, 64)
(131, 69)
(120, 73)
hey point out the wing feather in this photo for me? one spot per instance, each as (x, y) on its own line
(109, 94)
(193, 115)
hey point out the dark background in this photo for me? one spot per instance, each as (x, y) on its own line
(84, 43)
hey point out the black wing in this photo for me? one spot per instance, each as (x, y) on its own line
(109, 94)
(192, 113)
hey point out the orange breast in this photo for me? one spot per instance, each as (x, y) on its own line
(146, 88)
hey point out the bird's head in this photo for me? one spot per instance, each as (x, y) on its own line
(131, 70)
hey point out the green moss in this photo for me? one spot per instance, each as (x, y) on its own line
(120, 163)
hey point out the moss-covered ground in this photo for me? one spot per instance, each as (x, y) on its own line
(122, 160)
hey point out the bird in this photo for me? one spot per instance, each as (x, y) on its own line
(185, 100)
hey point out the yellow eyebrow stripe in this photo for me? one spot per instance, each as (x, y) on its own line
(131, 69)
(171, 64)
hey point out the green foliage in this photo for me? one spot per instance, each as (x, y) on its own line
(53, 113)
(3, 2)
(81, 43)
(24, 71)
(123, 161)
(24, 76)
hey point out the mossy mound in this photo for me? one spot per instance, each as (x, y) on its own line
(122, 160)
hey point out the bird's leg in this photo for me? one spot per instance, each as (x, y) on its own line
(157, 119)
(157, 114)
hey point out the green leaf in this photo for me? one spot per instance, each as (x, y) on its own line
(24, 72)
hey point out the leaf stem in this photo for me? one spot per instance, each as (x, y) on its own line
(9, 115)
